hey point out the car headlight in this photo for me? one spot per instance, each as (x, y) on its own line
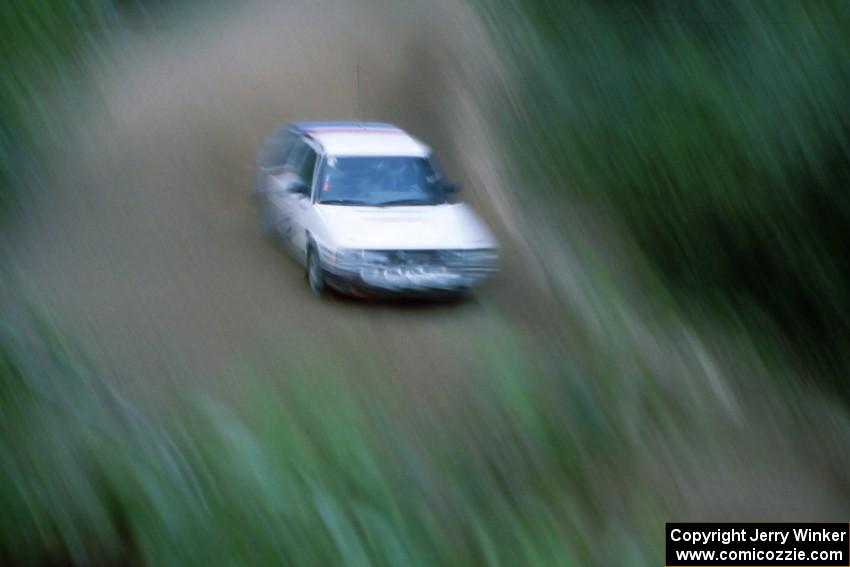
(374, 257)
(484, 258)
(352, 260)
(480, 259)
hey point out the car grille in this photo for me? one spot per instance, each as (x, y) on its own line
(451, 259)
(417, 257)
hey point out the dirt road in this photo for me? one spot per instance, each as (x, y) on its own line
(146, 246)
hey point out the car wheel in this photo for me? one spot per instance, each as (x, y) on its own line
(315, 275)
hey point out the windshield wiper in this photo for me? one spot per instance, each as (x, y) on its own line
(343, 202)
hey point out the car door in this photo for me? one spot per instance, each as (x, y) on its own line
(279, 192)
(300, 201)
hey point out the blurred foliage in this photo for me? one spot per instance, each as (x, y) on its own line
(535, 463)
(42, 48)
(717, 132)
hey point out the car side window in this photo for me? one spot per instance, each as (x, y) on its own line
(295, 157)
(281, 149)
(308, 166)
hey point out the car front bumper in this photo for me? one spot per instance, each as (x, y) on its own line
(406, 281)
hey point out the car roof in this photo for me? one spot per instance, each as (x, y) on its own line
(352, 138)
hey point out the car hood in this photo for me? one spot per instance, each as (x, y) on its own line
(408, 228)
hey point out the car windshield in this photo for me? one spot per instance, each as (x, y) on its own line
(381, 181)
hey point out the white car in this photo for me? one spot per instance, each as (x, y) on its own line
(364, 209)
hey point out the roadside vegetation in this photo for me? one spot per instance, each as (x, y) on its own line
(527, 464)
(716, 134)
(43, 47)
(716, 137)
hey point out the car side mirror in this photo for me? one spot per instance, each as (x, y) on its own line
(300, 188)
